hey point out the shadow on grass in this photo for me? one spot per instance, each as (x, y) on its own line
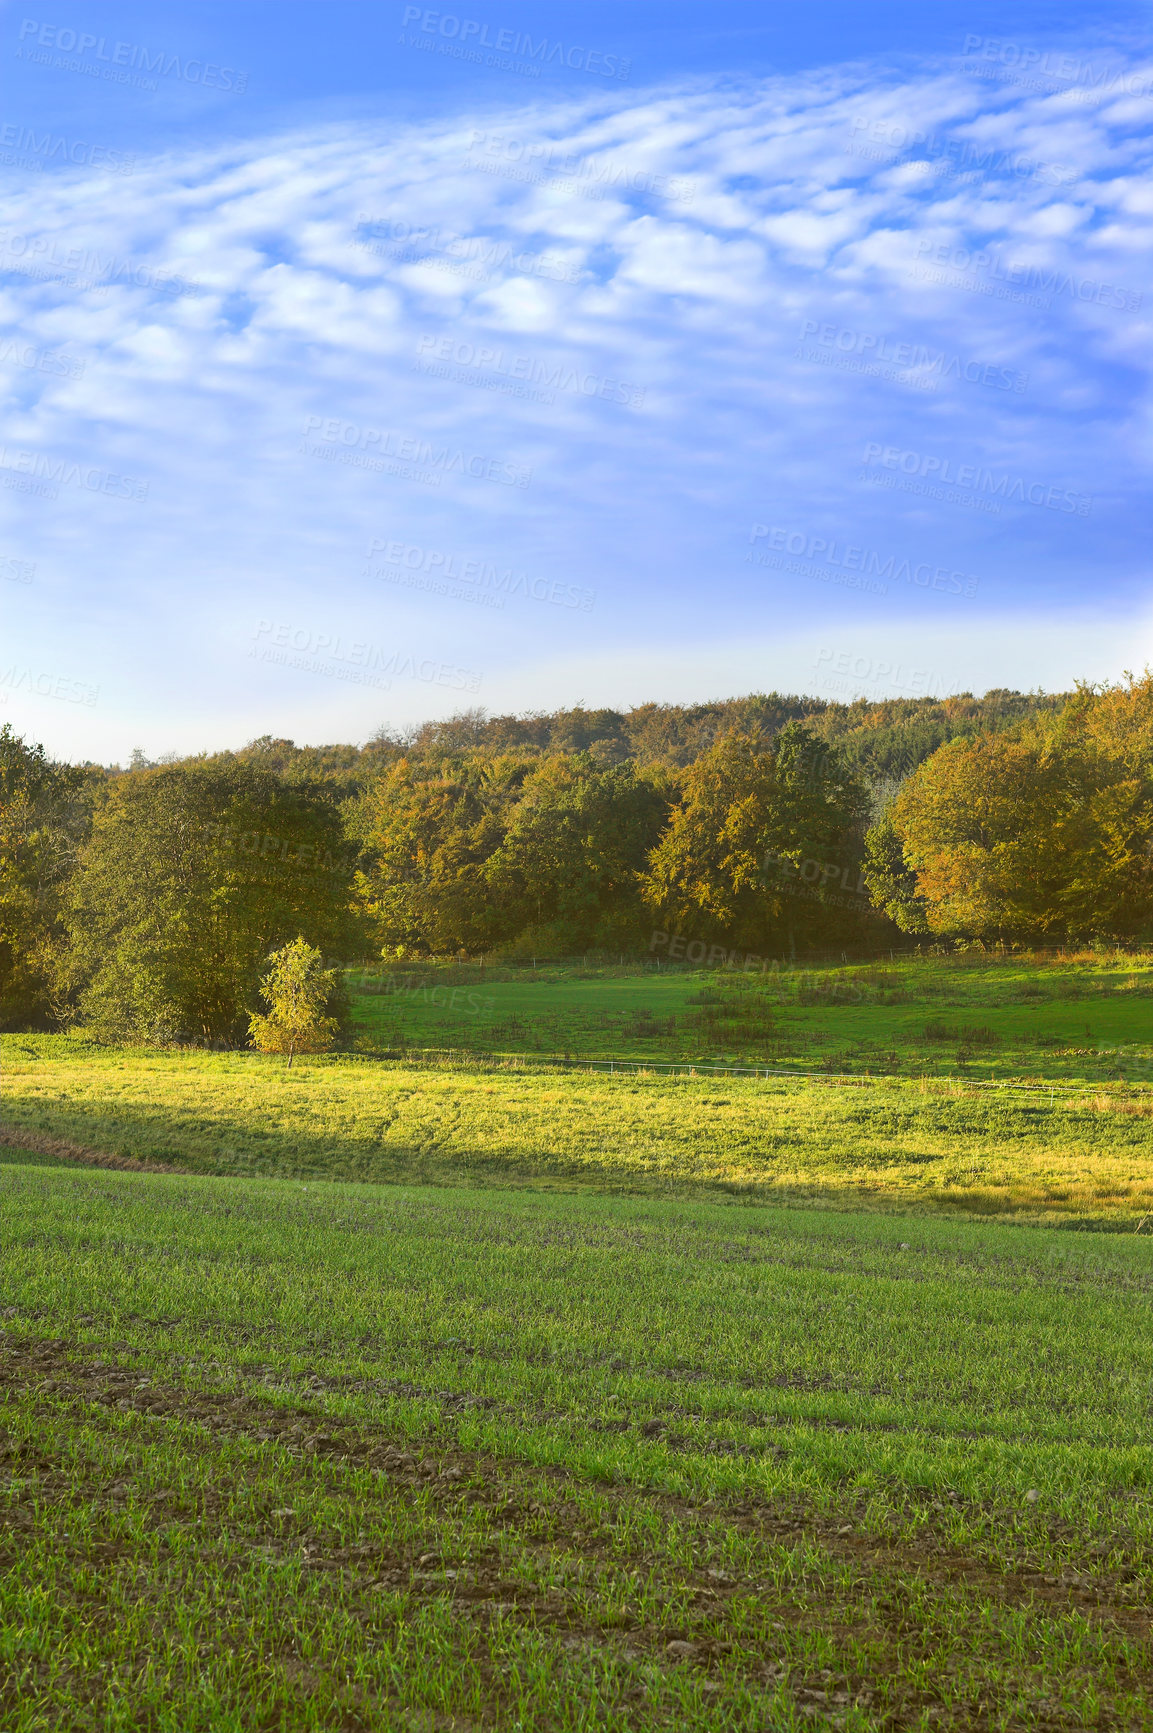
(160, 1141)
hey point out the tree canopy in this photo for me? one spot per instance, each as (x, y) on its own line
(43, 819)
(192, 875)
(298, 989)
(750, 818)
(1045, 833)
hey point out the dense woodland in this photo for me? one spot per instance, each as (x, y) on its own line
(144, 901)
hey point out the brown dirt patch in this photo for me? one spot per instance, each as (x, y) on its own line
(11, 1137)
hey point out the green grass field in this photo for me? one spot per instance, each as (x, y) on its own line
(1086, 1019)
(466, 1393)
(355, 1457)
(1085, 1156)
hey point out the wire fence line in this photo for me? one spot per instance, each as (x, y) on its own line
(614, 1066)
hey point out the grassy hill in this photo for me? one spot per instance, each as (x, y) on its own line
(1082, 1155)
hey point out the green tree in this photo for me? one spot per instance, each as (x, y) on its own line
(752, 821)
(297, 988)
(1117, 719)
(566, 875)
(193, 874)
(890, 880)
(44, 811)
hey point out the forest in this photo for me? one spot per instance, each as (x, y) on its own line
(144, 900)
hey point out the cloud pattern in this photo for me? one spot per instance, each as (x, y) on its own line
(699, 390)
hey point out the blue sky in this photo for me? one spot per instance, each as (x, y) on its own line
(366, 362)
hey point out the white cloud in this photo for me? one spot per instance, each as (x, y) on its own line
(593, 271)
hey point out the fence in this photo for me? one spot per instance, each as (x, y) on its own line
(703, 1068)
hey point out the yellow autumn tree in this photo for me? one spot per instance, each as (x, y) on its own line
(746, 807)
(1041, 835)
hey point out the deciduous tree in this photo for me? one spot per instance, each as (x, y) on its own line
(750, 817)
(297, 988)
(566, 875)
(429, 829)
(193, 874)
(1045, 835)
(44, 812)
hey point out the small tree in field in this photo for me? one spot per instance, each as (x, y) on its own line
(297, 987)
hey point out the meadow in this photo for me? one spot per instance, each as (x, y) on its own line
(417, 1387)
(1082, 1017)
(1083, 1155)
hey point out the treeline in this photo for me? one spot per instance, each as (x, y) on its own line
(885, 739)
(145, 901)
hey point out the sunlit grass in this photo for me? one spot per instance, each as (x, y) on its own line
(563, 1422)
(886, 1144)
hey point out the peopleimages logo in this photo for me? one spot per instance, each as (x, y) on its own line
(521, 372)
(865, 562)
(914, 357)
(1038, 279)
(541, 162)
(824, 881)
(958, 156)
(40, 256)
(472, 256)
(1023, 64)
(58, 686)
(41, 360)
(976, 480)
(444, 568)
(408, 987)
(284, 850)
(124, 59)
(50, 145)
(362, 663)
(382, 449)
(470, 34)
(867, 671)
(46, 473)
(678, 946)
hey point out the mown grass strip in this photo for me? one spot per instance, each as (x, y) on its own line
(1082, 1018)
